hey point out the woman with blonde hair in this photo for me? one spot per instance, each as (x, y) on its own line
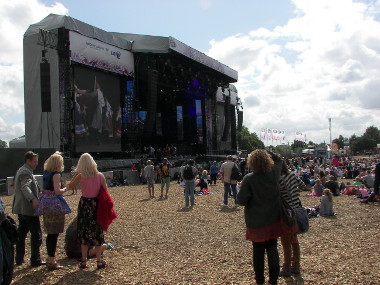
(90, 233)
(53, 223)
(259, 193)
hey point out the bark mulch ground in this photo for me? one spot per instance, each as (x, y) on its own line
(161, 242)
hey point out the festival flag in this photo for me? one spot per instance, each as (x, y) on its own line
(263, 133)
(299, 136)
(269, 134)
(281, 135)
(275, 134)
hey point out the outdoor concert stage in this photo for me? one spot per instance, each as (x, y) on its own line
(114, 94)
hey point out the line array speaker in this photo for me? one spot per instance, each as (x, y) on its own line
(45, 87)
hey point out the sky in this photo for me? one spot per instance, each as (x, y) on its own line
(299, 62)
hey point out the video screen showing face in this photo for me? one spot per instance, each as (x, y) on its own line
(97, 111)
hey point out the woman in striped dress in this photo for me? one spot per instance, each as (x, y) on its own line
(290, 187)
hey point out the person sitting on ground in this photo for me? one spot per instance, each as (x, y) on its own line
(326, 207)
(73, 245)
(333, 186)
(368, 180)
(318, 188)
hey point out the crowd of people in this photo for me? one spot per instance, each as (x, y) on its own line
(256, 183)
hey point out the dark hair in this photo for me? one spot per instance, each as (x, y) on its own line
(29, 155)
(284, 168)
(190, 162)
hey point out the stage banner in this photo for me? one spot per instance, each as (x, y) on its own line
(263, 133)
(275, 134)
(97, 54)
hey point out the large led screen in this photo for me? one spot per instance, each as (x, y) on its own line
(97, 111)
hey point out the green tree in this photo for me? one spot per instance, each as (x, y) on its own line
(367, 141)
(339, 141)
(3, 144)
(248, 141)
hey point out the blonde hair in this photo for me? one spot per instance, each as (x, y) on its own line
(260, 161)
(204, 172)
(87, 166)
(54, 163)
(328, 193)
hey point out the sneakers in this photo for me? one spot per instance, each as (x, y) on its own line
(223, 205)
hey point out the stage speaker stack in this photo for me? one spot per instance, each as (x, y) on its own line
(45, 87)
(227, 118)
(233, 126)
(151, 103)
(240, 120)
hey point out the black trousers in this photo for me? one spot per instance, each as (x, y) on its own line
(51, 244)
(26, 224)
(213, 178)
(259, 249)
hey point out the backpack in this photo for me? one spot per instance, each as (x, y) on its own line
(235, 173)
(165, 170)
(188, 173)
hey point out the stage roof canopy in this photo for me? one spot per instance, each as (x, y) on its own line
(132, 42)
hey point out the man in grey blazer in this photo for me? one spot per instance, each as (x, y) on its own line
(25, 203)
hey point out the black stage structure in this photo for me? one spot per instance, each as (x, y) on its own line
(116, 95)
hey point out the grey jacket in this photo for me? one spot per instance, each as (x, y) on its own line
(26, 189)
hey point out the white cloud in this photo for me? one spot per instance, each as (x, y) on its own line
(15, 18)
(324, 63)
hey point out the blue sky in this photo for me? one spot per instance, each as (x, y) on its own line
(299, 62)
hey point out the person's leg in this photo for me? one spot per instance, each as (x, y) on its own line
(287, 249)
(35, 240)
(162, 187)
(296, 255)
(99, 261)
(226, 192)
(51, 246)
(187, 190)
(192, 189)
(273, 260)
(258, 261)
(84, 250)
(233, 187)
(22, 231)
(152, 188)
(167, 186)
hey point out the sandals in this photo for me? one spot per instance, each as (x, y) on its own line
(83, 264)
(53, 266)
(101, 264)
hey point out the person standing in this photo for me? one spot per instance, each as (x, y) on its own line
(149, 176)
(53, 224)
(290, 186)
(229, 185)
(25, 204)
(214, 172)
(188, 174)
(260, 195)
(165, 177)
(90, 233)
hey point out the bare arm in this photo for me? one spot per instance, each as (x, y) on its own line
(57, 185)
(74, 181)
